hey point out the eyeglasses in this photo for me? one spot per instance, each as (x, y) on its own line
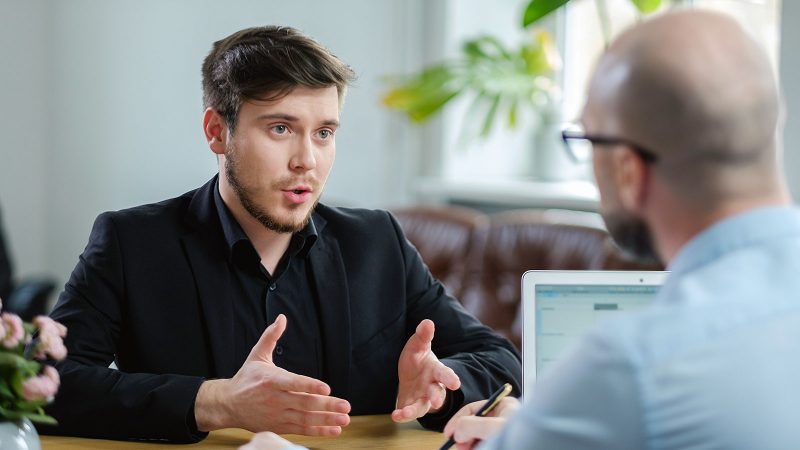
(579, 145)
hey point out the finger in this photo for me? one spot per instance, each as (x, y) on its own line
(289, 381)
(467, 410)
(436, 394)
(315, 418)
(507, 407)
(420, 341)
(417, 409)
(470, 428)
(447, 377)
(262, 351)
(302, 401)
(466, 445)
(291, 428)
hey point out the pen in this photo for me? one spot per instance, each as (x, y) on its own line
(485, 409)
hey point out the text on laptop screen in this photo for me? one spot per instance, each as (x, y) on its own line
(564, 312)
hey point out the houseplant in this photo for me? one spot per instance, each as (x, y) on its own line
(500, 79)
(510, 84)
(26, 382)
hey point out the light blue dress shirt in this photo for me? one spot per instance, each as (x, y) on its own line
(713, 363)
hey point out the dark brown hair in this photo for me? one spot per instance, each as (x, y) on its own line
(267, 63)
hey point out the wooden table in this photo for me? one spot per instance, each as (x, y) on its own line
(364, 432)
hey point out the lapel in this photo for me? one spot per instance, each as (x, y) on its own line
(330, 281)
(204, 247)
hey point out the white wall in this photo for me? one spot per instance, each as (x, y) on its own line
(108, 100)
(24, 131)
(790, 79)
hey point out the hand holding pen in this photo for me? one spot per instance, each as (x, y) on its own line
(479, 420)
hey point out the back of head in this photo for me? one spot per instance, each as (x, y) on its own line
(266, 63)
(693, 87)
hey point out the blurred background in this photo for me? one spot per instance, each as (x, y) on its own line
(101, 105)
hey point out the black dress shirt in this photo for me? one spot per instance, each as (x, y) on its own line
(262, 296)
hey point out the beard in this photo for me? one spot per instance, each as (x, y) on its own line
(259, 213)
(632, 235)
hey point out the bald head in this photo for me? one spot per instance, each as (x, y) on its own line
(693, 87)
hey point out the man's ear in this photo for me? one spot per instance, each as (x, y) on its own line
(631, 176)
(216, 130)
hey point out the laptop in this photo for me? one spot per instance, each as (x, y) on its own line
(558, 306)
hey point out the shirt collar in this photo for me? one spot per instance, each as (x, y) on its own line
(300, 244)
(750, 228)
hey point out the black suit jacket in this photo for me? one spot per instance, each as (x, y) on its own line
(151, 292)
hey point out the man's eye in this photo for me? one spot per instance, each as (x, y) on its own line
(280, 129)
(324, 134)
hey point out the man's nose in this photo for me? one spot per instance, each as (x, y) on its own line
(304, 157)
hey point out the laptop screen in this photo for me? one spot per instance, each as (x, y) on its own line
(558, 306)
(564, 312)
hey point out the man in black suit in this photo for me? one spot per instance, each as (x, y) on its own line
(179, 293)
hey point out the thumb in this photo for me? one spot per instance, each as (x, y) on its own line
(420, 341)
(262, 351)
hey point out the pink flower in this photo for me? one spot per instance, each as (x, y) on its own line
(14, 332)
(43, 386)
(46, 324)
(50, 338)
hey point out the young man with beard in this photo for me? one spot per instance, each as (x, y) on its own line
(179, 293)
(683, 117)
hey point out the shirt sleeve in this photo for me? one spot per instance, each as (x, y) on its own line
(590, 400)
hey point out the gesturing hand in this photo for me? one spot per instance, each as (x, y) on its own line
(467, 429)
(264, 397)
(423, 378)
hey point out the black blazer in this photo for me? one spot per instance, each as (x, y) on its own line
(151, 292)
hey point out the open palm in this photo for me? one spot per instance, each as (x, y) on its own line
(423, 378)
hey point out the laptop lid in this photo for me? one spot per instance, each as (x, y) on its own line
(558, 306)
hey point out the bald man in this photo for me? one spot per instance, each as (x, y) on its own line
(682, 114)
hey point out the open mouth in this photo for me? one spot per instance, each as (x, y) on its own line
(298, 195)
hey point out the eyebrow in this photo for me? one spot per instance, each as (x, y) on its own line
(290, 118)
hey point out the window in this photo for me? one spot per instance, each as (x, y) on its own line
(583, 39)
(510, 166)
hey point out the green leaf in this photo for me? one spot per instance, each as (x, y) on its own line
(537, 9)
(9, 414)
(5, 390)
(646, 6)
(472, 48)
(430, 105)
(35, 416)
(12, 360)
(421, 96)
(489, 120)
(512, 114)
(41, 418)
(486, 47)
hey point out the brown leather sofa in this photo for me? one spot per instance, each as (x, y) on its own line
(481, 258)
